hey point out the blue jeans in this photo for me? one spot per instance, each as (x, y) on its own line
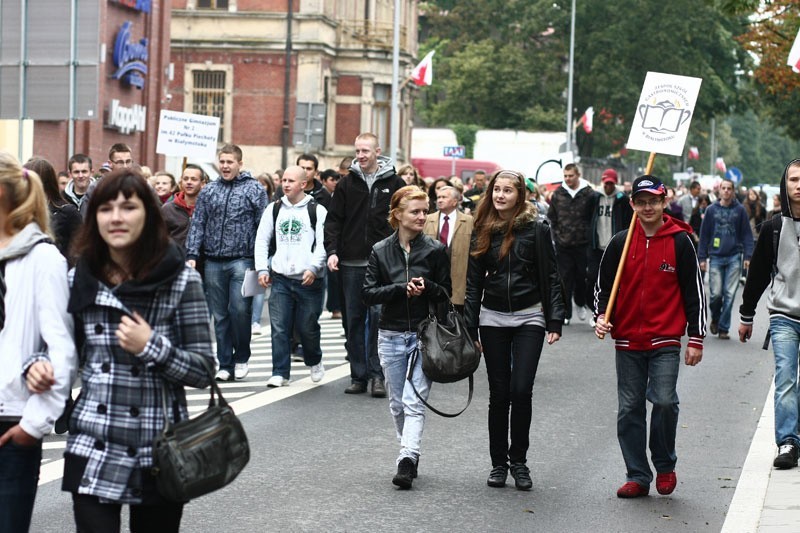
(361, 340)
(408, 412)
(258, 307)
(647, 375)
(785, 343)
(293, 307)
(19, 475)
(231, 311)
(723, 281)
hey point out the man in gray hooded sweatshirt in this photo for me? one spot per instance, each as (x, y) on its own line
(357, 219)
(775, 264)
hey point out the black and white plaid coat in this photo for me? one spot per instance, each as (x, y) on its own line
(118, 413)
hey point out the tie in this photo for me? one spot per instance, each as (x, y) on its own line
(445, 231)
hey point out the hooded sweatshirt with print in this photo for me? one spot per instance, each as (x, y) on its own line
(359, 211)
(661, 294)
(226, 218)
(783, 297)
(39, 328)
(294, 240)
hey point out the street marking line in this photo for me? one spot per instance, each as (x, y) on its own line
(744, 512)
(55, 470)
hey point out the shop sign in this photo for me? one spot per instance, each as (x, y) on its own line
(138, 5)
(130, 57)
(126, 119)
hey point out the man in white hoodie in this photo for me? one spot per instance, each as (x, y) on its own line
(294, 265)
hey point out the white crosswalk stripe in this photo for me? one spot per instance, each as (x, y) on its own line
(260, 364)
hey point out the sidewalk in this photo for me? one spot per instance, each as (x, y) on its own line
(766, 500)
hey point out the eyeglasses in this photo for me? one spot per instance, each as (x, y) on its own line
(123, 163)
(647, 203)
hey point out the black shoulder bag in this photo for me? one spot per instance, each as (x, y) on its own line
(201, 454)
(448, 354)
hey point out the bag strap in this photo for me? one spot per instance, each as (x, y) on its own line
(426, 404)
(216, 394)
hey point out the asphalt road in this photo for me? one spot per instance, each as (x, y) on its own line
(323, 460)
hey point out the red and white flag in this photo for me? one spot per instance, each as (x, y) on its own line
(694, 152)
(720, 164)
(423, 73)
(794, 54)
(587, 120)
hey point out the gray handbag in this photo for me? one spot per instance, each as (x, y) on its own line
(201, 454)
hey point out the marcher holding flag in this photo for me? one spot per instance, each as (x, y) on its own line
(660, 296)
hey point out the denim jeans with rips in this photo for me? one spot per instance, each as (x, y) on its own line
(395, 349)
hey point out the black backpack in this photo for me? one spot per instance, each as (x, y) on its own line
(312, 215)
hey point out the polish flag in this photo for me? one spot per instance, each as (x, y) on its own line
(694, 152)
(587, 119)
(720, 164)
(794, 54)
(423, 73)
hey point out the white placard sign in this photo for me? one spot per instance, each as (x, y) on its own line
(187, 135)
(664, 113)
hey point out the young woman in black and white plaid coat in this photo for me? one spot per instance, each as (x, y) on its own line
(144, 321)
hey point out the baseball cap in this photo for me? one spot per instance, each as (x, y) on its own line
(530, 184)
(105, 167)
(609, 174)
(649, 184)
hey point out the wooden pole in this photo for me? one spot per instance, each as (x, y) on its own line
(183, 168)
(621, 266)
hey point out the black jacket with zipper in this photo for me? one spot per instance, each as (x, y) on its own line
(527, 275)
(389, 271)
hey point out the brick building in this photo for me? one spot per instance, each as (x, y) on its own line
(132, 87)
(229, 60)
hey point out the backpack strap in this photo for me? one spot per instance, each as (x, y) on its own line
(312, 216)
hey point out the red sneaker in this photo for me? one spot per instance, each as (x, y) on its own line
(631, 489)
(665, 483)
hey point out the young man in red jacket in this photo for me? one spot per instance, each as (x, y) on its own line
(660, 297)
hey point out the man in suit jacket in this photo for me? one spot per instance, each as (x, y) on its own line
(454, 229)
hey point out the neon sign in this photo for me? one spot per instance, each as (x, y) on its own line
(130, 57)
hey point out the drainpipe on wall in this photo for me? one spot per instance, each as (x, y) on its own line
(287, 86)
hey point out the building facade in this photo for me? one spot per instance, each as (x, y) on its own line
(230, 61)
(132, 87)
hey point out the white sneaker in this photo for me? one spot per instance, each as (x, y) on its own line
(277, 381)
(240, 370)
(582, 313)
(317, 372)
(255, 329)
(592, 322)
(223, 375)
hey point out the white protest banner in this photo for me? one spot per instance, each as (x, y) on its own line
(187, 135)
(664, 113)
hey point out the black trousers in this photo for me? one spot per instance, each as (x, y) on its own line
(572, 267)
(512, 358)
(91, 516)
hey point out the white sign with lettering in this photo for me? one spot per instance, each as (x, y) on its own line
(664, 113)
(187, 135)
(126, 119)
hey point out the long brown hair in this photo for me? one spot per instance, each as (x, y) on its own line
(152, 245)
(487, 219)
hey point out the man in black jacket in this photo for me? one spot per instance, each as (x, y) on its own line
(357, 219)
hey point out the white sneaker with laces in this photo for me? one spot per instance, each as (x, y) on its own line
(223, 375)
(240, 370)
(255, 329)
(277, 381)
(317, 372)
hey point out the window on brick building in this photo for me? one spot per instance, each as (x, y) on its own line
(212, 4)
(209, 97)
(381, 112)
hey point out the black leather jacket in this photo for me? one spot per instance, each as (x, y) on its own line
(526, 276)
(388, 273)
